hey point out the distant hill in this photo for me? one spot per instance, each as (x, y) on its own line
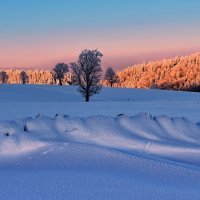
(180, 73)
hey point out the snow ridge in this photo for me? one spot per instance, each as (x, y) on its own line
(176, 139)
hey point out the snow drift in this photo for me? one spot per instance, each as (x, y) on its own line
(161, 137)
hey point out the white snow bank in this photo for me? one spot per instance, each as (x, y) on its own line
(14, 140)
(177, 139)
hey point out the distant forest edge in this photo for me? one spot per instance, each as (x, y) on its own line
(180, 73)
(35, 76)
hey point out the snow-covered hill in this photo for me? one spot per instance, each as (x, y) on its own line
(180, 73)
(102, 149)
(18, 101)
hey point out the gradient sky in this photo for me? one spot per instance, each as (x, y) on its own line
(41, 33)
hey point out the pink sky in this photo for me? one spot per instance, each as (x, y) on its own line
(47, 52)
(40, 34)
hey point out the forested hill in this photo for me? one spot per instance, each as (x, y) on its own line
(180, 73)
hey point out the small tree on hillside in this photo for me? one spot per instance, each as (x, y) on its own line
(59, 72)
(111, 77)
(86, 73)
(3, 77)
(24, 77)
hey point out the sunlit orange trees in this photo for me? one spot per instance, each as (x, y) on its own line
(180, 73)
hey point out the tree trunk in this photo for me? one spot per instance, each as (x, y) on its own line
(60, 82)
(87, 98)
(111, 84)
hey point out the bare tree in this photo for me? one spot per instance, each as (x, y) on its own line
(111, 77)
(86, 73)
(3, 77)
(23, 77)
(60, 70)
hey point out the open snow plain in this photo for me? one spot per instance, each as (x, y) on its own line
(124, 144)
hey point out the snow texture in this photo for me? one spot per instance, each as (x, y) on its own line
(113, 154)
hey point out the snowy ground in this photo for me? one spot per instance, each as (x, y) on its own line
(87, 151)
(17, 101)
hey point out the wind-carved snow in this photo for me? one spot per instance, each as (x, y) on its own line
(161, 137)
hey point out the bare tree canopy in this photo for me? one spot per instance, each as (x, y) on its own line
(111, 77)
(23, 77)
(59, 72)
(3, 77)
(86, 73)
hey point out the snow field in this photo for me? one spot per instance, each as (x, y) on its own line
(102, 149)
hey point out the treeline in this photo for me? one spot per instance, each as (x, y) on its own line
(180, 73)
(34, 76)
